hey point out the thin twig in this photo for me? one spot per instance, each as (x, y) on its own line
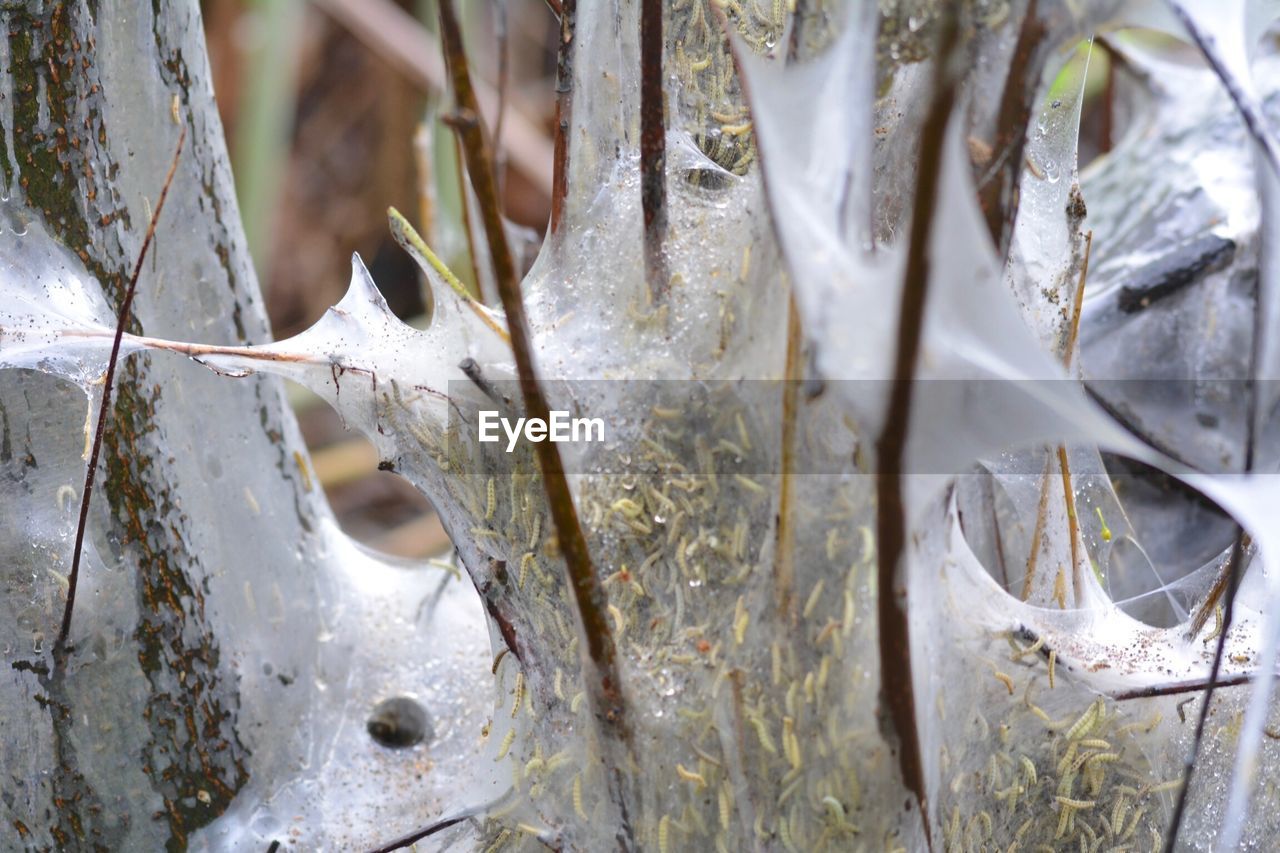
(1175, 825)
(564, 111)
(1245, 107)
(1073, 333)
(1245, 104)
(653, 150)
(1068, 492)
(483, 288)
(60, 647)
(895, 640)
(417, 835)
(1073, 523)
(784, 561)
(998, 196)
(440, 825)
(1177, 688)
(604, 683)
(1037, 533)
(996, 536)
(736, 758)
(1201, 616)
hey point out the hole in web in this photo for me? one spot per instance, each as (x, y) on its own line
(399, 723)
(376, 508)
(1153, 544)
(1178, 539)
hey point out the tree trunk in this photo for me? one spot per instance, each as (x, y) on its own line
(200, 680)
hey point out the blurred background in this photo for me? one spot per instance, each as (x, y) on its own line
(332, 113)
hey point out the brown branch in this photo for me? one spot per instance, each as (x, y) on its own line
(603, 682)
(1263, 137)
(799, 18)
(126, 304)
(784, 562)
(1037, 534)
(998, 196)
(1245, 104)
(1077, 307)
(440, 825)
(990, 499)
(417, 835)
(1069, 495)
(736, 758)
(891, 522)
(1177, 688)
(1073, 523)
(1219, 587)
(468, 224)
(564, 111)
(653, 150)
(1175, 824)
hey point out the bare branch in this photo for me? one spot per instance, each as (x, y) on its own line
(653, 150)
(1233, 582)
(568, 14)
(603, 682)
(784, 561)
(895, 639)
(1177, 688)
(126, 304)
(998, 196)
